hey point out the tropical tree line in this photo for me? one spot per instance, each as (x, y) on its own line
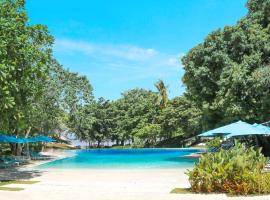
(140, 118)
(39, 96)
(226, 77)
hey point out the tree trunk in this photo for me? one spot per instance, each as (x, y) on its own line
(13, 148)
(122, 142)
(18, 150)
(27, 144)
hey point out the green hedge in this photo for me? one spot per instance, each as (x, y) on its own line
(237, 171)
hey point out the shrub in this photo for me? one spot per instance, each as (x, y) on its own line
(236, 171)
(215, 143)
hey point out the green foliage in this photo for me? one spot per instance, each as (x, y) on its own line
(121, 147)
(163, 97)
(215, 143)
(177, 142)
(36, 94)
(180, 117)
(227, 76)
(136, 118)
(92, 121)
(234, 171)
(25, 56)
(146, 134)
(135, 112)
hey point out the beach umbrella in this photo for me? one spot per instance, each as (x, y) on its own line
(40, 138)
(211, 133)
(265, 128)
(9, 139)
(239, 128)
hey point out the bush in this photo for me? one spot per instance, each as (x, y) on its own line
(215, 143)
(236, 171)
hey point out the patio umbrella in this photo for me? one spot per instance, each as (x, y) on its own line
(211, 133)
(40, 138)
(239, 128)
(265, 128)
(9, 139)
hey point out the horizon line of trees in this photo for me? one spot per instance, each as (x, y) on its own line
(227, 78)
(140, 117)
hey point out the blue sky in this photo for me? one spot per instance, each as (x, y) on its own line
(123, 44)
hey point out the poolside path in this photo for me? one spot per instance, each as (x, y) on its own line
(109, 185)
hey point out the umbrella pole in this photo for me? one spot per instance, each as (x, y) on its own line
(257, 141)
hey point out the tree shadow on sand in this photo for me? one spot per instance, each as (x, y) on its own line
(18, 174)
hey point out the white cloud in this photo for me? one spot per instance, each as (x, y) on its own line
(121, 51)
(119, 64)
(72, 46)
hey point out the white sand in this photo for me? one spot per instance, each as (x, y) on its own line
(92, 184)
(109, 185)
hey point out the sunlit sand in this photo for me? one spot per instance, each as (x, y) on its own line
(95, 184)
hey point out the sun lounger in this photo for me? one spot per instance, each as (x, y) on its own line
(38, 156)
(213, 150)
(8, 162)
(227, 146)
(23, 160)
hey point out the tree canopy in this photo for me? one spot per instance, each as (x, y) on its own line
(227, 76)
(37, 95)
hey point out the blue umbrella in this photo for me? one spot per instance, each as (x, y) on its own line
(239, 128)
(211, 133)
(12, 139)
(9, 139)
(265, 128)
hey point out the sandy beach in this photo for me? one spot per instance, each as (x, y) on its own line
(81, 184)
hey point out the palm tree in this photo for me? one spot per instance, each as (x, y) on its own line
(163, 97)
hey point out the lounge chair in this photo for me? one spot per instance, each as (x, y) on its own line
(8, 162)
(38, 156)
(23, 160)
(227, 145)
(213, 149)
(4, 165)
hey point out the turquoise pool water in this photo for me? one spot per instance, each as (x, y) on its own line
(125, 158)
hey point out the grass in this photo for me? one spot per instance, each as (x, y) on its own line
(19, 182)
(11, 189)
(182, 191)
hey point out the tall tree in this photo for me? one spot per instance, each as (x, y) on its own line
(25, 56)
(180, 118)
(137, 108)
(162, 97)
(94, 122)
(37, 95)
(227, 75)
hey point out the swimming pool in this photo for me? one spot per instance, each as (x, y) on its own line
(125, 159)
